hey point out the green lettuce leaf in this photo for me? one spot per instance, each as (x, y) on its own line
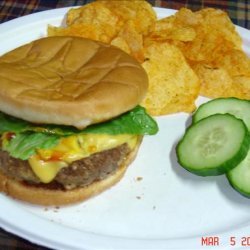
(24, 145)
(136, 121)
(12, 124)
(29, 137)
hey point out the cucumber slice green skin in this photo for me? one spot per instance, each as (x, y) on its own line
(234, 106)
(226, 164)
(239, 177)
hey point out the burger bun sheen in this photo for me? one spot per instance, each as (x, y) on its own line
(69, 81)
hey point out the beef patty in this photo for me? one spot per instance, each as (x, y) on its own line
(79, 173)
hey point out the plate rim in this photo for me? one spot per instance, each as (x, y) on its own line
(92, 241)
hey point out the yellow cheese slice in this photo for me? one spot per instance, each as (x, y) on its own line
(48, 162)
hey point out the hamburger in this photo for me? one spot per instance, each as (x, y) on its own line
(70, 120)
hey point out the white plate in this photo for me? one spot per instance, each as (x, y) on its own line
(168, 209)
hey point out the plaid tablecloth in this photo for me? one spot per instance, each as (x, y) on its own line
(239, 12)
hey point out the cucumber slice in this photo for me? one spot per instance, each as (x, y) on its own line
(213, 145)
(237, 107)
(239, 177)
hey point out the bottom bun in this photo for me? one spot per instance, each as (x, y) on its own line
(56, 197)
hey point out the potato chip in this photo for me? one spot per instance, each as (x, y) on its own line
(139, 12)
(133, 39)
(173, 85)
(121, 43)
(199, 33)
(184, 54)
(120, 23)
(94, 13)
(218, 21)
(242, 84)
(93, 21)
(215, 82)
(172, 28)
(184, 34)
(212, 47)
(133, 20)
(103, 33)
(115, 13)
(204, 47)
(235, 61)
(227, 76)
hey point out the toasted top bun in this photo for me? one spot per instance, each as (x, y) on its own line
(69, 81)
